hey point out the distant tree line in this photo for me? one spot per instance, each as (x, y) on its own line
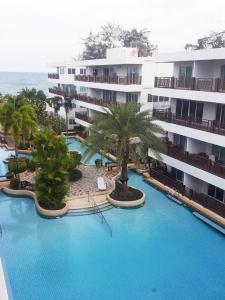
(110, 36)
(213, 40)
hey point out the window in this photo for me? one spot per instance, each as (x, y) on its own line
(219, 153)
(215, 192)
(131, 97)
(155, 98)
(109, 95)
(108, 71)
(192, 109)
(185, 74)
(177, 174)
(161, 99)
(62, 70)
(150, 98)
(223, 72)
(72, 121)
(83, 89)
(95, 72)
(82, 71)
(71, 71)
(132, 74)
(220, 115)
(166, 99)
(180, 140)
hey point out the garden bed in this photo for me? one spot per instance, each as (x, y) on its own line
(133, 198)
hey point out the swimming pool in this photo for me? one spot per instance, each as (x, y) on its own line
(159, 251)
(5, 154)
(75, 145)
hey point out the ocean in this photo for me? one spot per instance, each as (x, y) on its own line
(13, 82)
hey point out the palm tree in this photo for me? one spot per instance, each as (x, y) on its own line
(17, 119)
(65, 102)
(129, 132)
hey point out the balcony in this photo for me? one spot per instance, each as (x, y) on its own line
(94, 100)
(53, 76)
(200, 160)
(58, 91)
(206, 201)
(83, 117)
(212, 126)
(126, 80)
(194, 84)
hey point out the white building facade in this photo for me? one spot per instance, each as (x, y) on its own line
(122, 77)
(194, 124)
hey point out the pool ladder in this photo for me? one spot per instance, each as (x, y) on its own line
(99, 212)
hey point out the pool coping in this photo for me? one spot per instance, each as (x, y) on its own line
(185, 200)
(44, 212)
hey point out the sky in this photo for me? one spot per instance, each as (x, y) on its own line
(35, 32)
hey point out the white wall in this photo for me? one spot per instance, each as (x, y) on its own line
(196, 146)
(195, 184)
(209, 111)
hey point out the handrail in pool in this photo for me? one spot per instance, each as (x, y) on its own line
(98, 210)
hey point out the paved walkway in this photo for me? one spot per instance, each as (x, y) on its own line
(88, 182)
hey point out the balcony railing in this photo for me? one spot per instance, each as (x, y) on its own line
(53, 76)
(200, 160)
(60, 92)
(203, 199)
(201, 124)
(126, 80)
(83, 117)
(93, 100)
(196, 84)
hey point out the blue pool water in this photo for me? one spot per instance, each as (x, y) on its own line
(5, 154)
(159, 251)
(75, 145)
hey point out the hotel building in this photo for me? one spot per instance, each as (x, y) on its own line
(194, 125)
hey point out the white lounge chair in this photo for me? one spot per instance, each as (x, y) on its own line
(101, 184)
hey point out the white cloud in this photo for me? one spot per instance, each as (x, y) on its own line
(34, 32)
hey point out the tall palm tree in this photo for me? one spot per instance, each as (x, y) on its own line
(130, 132)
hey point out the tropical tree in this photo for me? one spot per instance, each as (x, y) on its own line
(65, 102)
(36, 98)
(17, 120)
(51, 184)
(130, 132)
(110, 36)
(213, 40)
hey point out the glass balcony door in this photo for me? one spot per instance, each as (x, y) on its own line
(185, 75)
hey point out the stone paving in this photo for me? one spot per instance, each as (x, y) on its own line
(88, 182)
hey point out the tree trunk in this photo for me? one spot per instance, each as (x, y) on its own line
(124, 172)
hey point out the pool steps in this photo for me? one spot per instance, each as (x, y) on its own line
(209, 222)
(88, 211)
(174, 199)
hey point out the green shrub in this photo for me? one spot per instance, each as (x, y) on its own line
(18, 165)
(98, 162)
(14, 183)
(51, 182)
(75, 159)
(75, 175)
(31, 165)
(23, 146)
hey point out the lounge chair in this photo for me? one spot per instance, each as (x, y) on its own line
(101, 184)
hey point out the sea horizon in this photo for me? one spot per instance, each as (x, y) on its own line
(12, 82)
